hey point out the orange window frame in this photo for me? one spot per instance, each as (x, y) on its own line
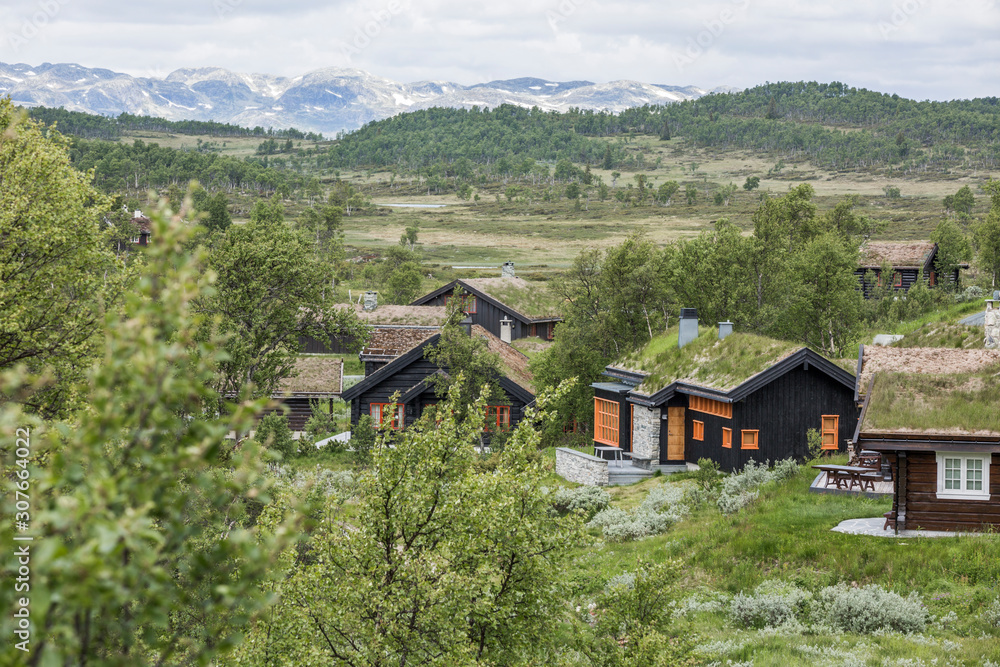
(749, 439)
(932, 279)
(697, 430)
(606, 422)
(710, 407)
(497, 417)
(727, 437)
(378, 414)
(830, 428)
(897, 279)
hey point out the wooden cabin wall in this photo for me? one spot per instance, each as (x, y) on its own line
(297, 410)
(782, 411)
(925, 510)
(488, 316)
(335, 345)
(909, 279)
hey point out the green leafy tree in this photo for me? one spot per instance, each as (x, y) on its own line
(443, 564)
(826, 305)
(632, 625)
(273, 434)
(403, 284)
(573, 191)
(987, 235)
(961, 202)
(752, 183)
(954, 248)
(58, 269)
(271, 290)
(409, 238)
(218, 218)
(691, 194)
(666, 192)
(145, 553)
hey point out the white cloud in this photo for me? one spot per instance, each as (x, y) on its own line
(917, 48)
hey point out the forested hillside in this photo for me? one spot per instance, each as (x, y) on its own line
(835, 126)
(91, 126)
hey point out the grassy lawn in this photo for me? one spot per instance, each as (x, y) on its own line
(785, 536)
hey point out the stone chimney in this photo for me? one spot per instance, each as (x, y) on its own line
(688, 327)
(371, 301)
(725, 328)
(507, 270)
(991, 322)
(466, 325)
(506, 329)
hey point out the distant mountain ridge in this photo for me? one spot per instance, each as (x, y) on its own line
(326, 100)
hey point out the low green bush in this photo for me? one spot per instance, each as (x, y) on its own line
(771, 604)
(663, 507)
(587, 499)
(865, 609)
(740, 489)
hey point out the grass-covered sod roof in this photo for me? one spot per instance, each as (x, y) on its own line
(706, 361)
(954, 404)
(534, 300)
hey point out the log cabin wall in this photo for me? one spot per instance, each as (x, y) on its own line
(916, 494)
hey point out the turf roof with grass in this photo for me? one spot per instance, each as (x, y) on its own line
(534, 300)
(953, 404)
(706, 361)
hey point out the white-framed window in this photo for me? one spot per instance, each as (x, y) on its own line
(963, 475)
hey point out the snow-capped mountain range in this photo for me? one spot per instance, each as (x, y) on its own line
(327, 100)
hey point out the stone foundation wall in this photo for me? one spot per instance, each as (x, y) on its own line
(645, 435)
(581, 468)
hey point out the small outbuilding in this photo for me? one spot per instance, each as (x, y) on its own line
(908, 260)
(318, 379)
(934, 415)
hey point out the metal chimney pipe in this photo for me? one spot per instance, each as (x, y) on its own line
(725, 328)
(688, 326)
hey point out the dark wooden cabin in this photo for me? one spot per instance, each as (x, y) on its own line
(909, 261)
(944, 462)
(318, 378)
(524, 308)
(408, 375)
(731, 400)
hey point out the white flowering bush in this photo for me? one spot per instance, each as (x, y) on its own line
(662, 508)
(869, 608)
(587, 499)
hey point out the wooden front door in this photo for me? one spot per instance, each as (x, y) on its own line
(675, 434)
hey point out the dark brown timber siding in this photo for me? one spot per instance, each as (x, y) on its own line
(925, 510)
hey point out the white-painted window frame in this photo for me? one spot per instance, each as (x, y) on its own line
(963, 493)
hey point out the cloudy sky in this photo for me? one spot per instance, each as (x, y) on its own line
(923, 49)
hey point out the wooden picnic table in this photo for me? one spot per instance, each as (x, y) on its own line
(616, 452)
(850, 476)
